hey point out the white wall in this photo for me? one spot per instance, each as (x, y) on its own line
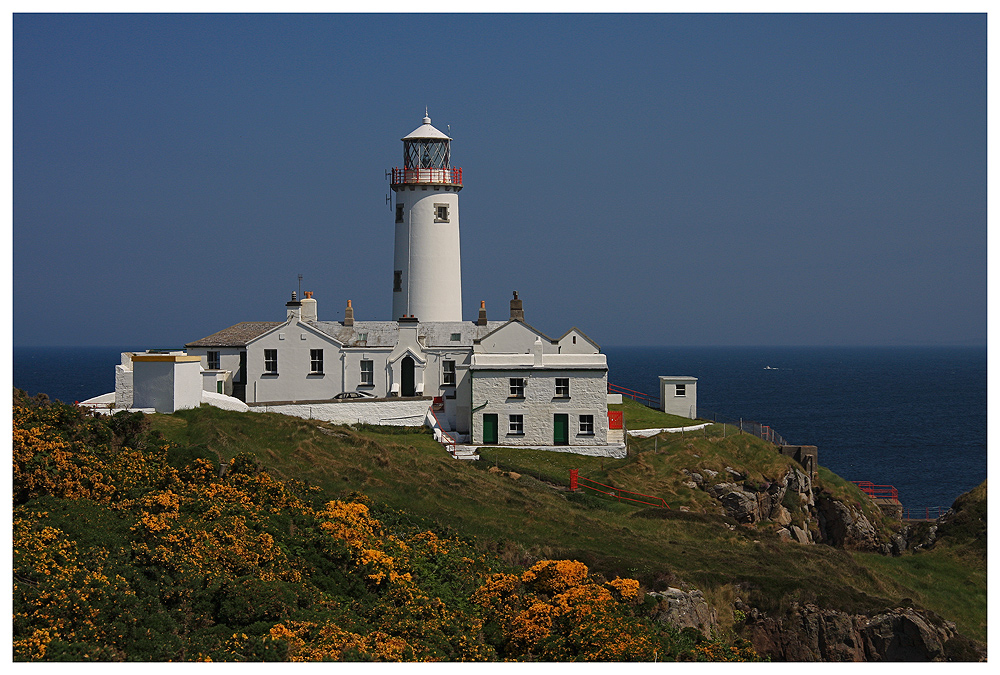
(514, 338)
(429, 254)
(588, 396)
(408, 412)
(166, 382)
(575, 342)
(670, 402)
(294, 381)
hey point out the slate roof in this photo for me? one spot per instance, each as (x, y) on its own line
(236, 336)
(386, 333)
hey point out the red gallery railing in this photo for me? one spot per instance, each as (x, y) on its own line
(451, 176)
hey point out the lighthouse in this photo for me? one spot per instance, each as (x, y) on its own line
(427, 269)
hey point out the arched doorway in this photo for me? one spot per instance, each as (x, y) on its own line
(407, 377)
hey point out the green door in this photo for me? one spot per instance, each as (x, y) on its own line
(561, 435)
(490, 429)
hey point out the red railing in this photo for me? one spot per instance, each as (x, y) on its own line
(451, 175)
(446, 438)
(618, 493)
(635, 395)
(877, 491)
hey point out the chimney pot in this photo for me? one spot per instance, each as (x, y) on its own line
(482, 313)
(349, 315)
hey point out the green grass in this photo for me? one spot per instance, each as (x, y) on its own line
(534, 516)
(951, 585)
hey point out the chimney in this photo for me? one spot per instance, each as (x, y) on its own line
(482, 313)
(309, 307)
(293, 308)
(516, 309)
(349, 315)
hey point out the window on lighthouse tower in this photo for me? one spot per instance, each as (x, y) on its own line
(441, 213)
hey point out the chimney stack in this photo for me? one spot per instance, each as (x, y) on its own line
(293, 308)
(516, 309)
(349, 315)
(482, 313)
(308, 307)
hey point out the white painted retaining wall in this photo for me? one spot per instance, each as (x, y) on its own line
(390, 413)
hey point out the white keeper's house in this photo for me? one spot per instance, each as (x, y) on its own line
(483, 382)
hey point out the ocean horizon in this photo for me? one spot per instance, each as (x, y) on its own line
(911, 417)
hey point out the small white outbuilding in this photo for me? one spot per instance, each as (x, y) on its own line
(679, 395)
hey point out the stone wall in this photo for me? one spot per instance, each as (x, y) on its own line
(408, 413)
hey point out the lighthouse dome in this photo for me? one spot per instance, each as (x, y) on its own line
(425, 130)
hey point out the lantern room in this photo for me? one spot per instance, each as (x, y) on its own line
(426, 158)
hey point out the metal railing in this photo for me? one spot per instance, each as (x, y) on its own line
(928, 513)
(877, 491)
(450, 175)
(638, 396)
(611, 491)
(745, 426)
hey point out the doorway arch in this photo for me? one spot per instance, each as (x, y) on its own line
(406, 375)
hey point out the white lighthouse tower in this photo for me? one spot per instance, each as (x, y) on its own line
(427, 271)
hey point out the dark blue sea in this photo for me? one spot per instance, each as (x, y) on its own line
(912, 417)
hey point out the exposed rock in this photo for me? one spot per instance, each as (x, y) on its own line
(741, 505)
(781, 516)
(709, 473)
(697, 478)
(809, 633)
(734, 473)
(691, 484)
(847, 527)
(800, 535)
(684, 609)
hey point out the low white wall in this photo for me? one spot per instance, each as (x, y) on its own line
(390, 413)
(123, 385)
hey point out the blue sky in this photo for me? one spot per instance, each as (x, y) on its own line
(663, 179)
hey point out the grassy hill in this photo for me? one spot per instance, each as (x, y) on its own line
(523, 511)
(209, 534)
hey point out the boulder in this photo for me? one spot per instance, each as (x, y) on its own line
(685, 609)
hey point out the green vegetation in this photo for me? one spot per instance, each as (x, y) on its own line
(638, 416)
(507, 512)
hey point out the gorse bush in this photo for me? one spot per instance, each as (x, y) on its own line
(128, 549)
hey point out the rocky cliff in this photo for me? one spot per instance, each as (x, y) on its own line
(810, 633)
(790, 501)
(792, 507)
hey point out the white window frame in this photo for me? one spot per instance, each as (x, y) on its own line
(315, 359)
(270, 361)
(438, 212)
(448, 373)
(515, 425)
(680, 390)
(562, 387)
(517, 387)
(586, 425)
(367, 373)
